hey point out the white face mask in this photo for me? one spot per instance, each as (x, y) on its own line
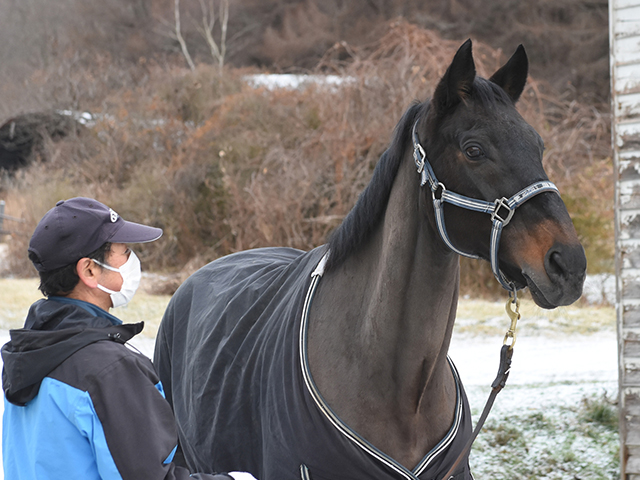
(131, 274)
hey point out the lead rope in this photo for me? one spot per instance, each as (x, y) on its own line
(506, 353)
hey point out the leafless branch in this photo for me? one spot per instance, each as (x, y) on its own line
(180, 38)
(218, 52)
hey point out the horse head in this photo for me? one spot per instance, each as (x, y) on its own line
(477, 144)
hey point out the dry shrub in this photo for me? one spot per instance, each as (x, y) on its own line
(223, 167)
(566, 39)
(305, 31)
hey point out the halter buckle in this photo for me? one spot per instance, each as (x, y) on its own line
(419, 156)
(502, 203)
(442, 189)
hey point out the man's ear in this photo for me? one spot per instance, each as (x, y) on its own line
(88, 272)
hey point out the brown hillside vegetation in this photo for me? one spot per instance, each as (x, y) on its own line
(567, 40)
(222, 166)
(53, 53)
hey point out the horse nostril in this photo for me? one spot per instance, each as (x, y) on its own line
(566, 262)
(554, 263)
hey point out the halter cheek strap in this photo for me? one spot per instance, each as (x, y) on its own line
(501, 209)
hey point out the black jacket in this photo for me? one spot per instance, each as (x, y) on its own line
(101, 404)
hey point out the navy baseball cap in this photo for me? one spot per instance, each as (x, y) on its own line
(76, 227)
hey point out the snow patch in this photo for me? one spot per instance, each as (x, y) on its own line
(295, 82)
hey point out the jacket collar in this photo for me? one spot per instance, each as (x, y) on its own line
(89, 307)
(53, 332)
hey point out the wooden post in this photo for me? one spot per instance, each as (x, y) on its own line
(624, 22)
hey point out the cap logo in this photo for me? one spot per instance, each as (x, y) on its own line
(114, 216)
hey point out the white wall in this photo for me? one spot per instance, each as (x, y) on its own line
(624, 20)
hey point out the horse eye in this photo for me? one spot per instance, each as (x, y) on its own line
(474, 152)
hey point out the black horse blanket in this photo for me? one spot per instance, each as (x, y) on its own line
(231, 353)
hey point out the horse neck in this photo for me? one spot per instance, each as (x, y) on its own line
(385, 315)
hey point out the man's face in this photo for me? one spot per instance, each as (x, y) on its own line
(115, 257)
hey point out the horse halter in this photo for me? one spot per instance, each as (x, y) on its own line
(501, 209)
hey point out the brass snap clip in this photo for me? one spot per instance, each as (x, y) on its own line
(513, 312)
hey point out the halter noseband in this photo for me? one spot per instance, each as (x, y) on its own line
(501, 210)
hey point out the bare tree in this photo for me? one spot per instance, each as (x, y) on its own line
(218, 52)
(214, 14)
(179, 37)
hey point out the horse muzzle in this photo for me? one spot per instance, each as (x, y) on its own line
(559, 282)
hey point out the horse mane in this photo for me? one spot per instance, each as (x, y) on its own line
(369, 210)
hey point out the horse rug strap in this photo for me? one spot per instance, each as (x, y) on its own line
(444, 454)
(501, 209)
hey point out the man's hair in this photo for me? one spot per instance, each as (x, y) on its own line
(63, 280)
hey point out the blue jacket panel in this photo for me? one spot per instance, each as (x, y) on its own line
(58, 415)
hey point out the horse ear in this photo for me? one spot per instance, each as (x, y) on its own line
(512, 76)
(457, 82)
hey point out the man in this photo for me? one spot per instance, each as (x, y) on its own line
(79, 404)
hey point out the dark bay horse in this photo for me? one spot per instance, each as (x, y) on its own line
(332, 364)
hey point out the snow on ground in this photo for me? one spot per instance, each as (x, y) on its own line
(550, 380)
(546, 373)
(538, 359)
